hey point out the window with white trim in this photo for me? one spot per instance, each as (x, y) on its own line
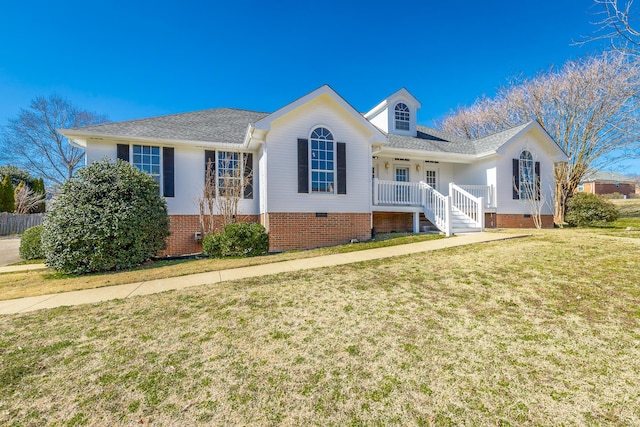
(322, 161)
(229, 173)
(527, 178)
(147, 159)
(402, 116)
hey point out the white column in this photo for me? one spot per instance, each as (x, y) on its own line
(416, 222)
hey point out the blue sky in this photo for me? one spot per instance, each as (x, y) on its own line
(133, 59)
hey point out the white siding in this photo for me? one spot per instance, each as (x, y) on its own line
(381, 120)
(504, 176)
(282, 168)
(188, 175)
(98, 150)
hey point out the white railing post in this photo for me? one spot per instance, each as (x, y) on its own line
(447, 215)
(481, 213)
(375, 191)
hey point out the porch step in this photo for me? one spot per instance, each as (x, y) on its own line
(465, 230)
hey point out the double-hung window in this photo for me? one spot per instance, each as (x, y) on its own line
(322, 161)
(147, 159)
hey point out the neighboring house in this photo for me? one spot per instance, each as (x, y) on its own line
(601, 182)
(323, 174)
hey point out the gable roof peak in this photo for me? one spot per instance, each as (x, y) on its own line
(391, 99)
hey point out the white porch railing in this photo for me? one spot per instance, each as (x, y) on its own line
(437, 208)
(468, 204)
(396, 193)
(484, 191)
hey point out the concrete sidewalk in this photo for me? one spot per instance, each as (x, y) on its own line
(87, 296)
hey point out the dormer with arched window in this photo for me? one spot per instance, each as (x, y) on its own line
(402, 117)
(396, 114)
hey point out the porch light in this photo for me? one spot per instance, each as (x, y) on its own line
(417, 168)
(387, 165)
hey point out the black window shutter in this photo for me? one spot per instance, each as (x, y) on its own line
(516, 179)
(303, 166)
(537, 178)
(248, 176)
(123, 152)
(209, 157)
(342, 168)
(167, 172)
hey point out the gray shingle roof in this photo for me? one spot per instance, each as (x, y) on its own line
(225, 125)
(429, 139)
(603, 176)
(497, 140)
(229, 125)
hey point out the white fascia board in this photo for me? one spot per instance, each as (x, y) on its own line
(80, 138)
(404, 93)
(427, 155)
(375, 110)
(265, 123)
(254, 138)
(390, 99)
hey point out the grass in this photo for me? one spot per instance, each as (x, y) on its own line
(42, 282)
(536, 331)
(628, 207)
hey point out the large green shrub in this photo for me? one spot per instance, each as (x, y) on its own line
(584, 209)
(109, 216)
(31, 243)
(239, 240)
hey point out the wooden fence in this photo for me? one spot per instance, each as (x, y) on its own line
(17, 223)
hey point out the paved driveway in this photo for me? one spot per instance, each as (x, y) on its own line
(9, 250)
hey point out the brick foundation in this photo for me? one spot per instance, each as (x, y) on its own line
(388, 222)
(516, 221)
(183, 227)
(308, 230)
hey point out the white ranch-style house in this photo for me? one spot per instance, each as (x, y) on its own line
(318, 173)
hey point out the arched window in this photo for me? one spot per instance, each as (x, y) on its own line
(402, 116)
(322, 161)
(527, 176)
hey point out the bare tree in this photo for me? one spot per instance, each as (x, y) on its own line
(223, 190)
(206, 202)
(616, 24)
(32, 142)
(27, 200)
(588, 106)
(529, 190)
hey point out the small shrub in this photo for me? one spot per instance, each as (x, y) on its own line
(238, 240)
(585, 209)
(31, 243)
(109, 216)
(211, 245)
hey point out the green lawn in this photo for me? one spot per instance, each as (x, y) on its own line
(537, 331)
(43, 282)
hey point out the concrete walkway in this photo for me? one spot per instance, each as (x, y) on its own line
(87, 296)
(9, 250)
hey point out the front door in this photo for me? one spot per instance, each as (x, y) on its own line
(402, 191)
(431, 178)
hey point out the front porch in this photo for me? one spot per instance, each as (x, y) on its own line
(461, 210)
